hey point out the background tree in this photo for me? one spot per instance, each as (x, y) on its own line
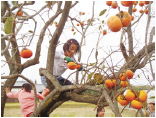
(103, 68)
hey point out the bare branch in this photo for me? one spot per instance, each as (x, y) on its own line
(6, 48)
(152, 33)
(130, 36)
(29, 17)
(123, 50)
(147, 29)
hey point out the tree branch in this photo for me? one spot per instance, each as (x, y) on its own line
(123, 50)
(147, 29)
(130, 36)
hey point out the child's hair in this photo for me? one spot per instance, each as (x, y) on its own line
(98, 110)
(27, 87)
(68, 43)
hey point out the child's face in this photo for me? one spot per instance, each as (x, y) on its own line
(72, 50)
(151, 106)
(101, 113)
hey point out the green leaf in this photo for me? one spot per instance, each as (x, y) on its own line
(103, 67)
(50, 35)
(102, 12)
(30, 31)
(152, 97)
(98, 78)
(91, 64)
(99, 27)
(103, 21)
(88, 20)
(89, 76)
(51, 23)
(14, 3)
(8, 26)
(74, 33)
(53, 2)
(138, 76)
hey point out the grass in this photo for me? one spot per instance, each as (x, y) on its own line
(68, 109)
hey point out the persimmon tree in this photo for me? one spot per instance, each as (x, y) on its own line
(15, 17)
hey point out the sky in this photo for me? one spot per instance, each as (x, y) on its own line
(107, 42)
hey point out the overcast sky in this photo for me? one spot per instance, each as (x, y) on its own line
(110, 40)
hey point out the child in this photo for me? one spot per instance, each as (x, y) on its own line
(150, 112)
(62, 57)
(100, 112)
(25, 97)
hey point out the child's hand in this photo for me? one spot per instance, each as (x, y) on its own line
(80, 68)
(68, 59)
(7, 90)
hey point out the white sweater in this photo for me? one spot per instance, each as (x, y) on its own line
(59, 63)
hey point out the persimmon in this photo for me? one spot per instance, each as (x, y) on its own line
(141, 3)
(132, 17)
(146, 2)
(130, 95)
(56, 24)
(83, 13)
(122, 77)
(124, 83)
(134, 9)
(108, 3)
(122, 100)
(140, 11)
(127, 3)
(19, 13)
(114, 5)
(114, 23)
(142, 96)
(77, 24)
(104, 32)
(109, 83)
(26, 53)
(72, 29)
(114, 82)
(78, 66)
(135, 3)
(71, 65)
(136, 104)
(146, 11)
(126, 18)
(82, 23)
(129, 74)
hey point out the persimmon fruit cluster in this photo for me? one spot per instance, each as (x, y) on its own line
(136, 102)
(123, 75)
(110, 83)
(73, 65)
(115, 24)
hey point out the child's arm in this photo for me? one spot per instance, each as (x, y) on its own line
(79, 65)
(39, 96)
(11, 94)
(59, 54)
